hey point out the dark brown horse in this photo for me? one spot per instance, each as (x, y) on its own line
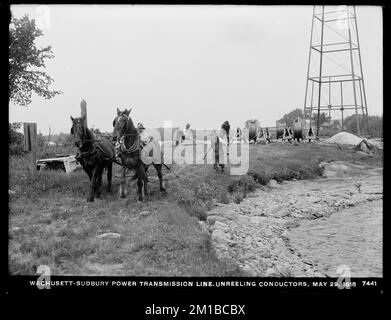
(128, 141)
(94, 156)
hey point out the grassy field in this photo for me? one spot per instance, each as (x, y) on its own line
(51, 223)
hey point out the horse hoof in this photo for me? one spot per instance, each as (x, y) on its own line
(123, 196)
(90, 199)
(163, 190)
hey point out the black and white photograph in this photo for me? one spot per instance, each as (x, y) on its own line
(190, 145)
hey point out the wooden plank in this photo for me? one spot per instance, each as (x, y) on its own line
(69, 163)
(58, 159)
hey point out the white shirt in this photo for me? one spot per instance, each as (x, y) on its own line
(187, 133)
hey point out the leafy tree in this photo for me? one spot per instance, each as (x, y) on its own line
(15, 139)
(376, 126)
(291, 116)
(65, 139)
(375, 123)
(96, 131)
(323, 118)
(40, 140)
(335, 125)
(25, 63)
(14, 136)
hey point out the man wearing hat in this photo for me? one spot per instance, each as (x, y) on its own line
(222, 137)
(144, 138)
(187, 135)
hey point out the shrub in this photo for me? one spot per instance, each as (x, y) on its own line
(261, 177)
(223, 198)
(238, 197)
(16, 149)
(197, 212)
(204, 192)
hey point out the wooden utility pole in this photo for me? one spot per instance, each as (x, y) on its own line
(30, 143)
(83, 107)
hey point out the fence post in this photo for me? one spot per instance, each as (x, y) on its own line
(30, 144)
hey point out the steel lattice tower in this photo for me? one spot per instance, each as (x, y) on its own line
(335, 79)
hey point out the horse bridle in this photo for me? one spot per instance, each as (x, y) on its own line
(90, 152)
(121, 140)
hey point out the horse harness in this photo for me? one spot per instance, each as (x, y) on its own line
(136, 146)
(82, 156)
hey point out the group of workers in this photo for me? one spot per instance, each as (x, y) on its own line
(221, 137)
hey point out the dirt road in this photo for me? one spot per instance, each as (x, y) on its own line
(260, 234)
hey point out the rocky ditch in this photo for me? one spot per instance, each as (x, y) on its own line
(255, 233)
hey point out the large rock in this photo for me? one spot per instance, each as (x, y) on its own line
(273, 183)
(144, 213)
(365, 146)
(256, 220)
(220, 236)
(220, 225)
(284, 271)
(250, 271)
(270, 272)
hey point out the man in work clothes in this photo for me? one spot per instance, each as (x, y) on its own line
(221, 138)
(145, 139)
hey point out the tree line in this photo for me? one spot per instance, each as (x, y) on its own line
(349, 123)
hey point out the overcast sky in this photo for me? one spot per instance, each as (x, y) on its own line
(196, 64)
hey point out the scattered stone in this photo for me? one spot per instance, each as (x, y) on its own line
(11, 191)
(261, 244)
(256, 220)
(204, 226)
(273, 183)
(362, 153)
(292, 224)
(109, 235)
(220, 236)
(220, 225)
(365, 146)
(211, 221)
(313, 199)
(284, 271)
(284, 212)
(250, 271)
(144, 213)
(266, 253)
(285, 235)
(270, 272)
(248, 240)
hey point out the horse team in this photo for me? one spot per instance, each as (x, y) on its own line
(125, 149)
